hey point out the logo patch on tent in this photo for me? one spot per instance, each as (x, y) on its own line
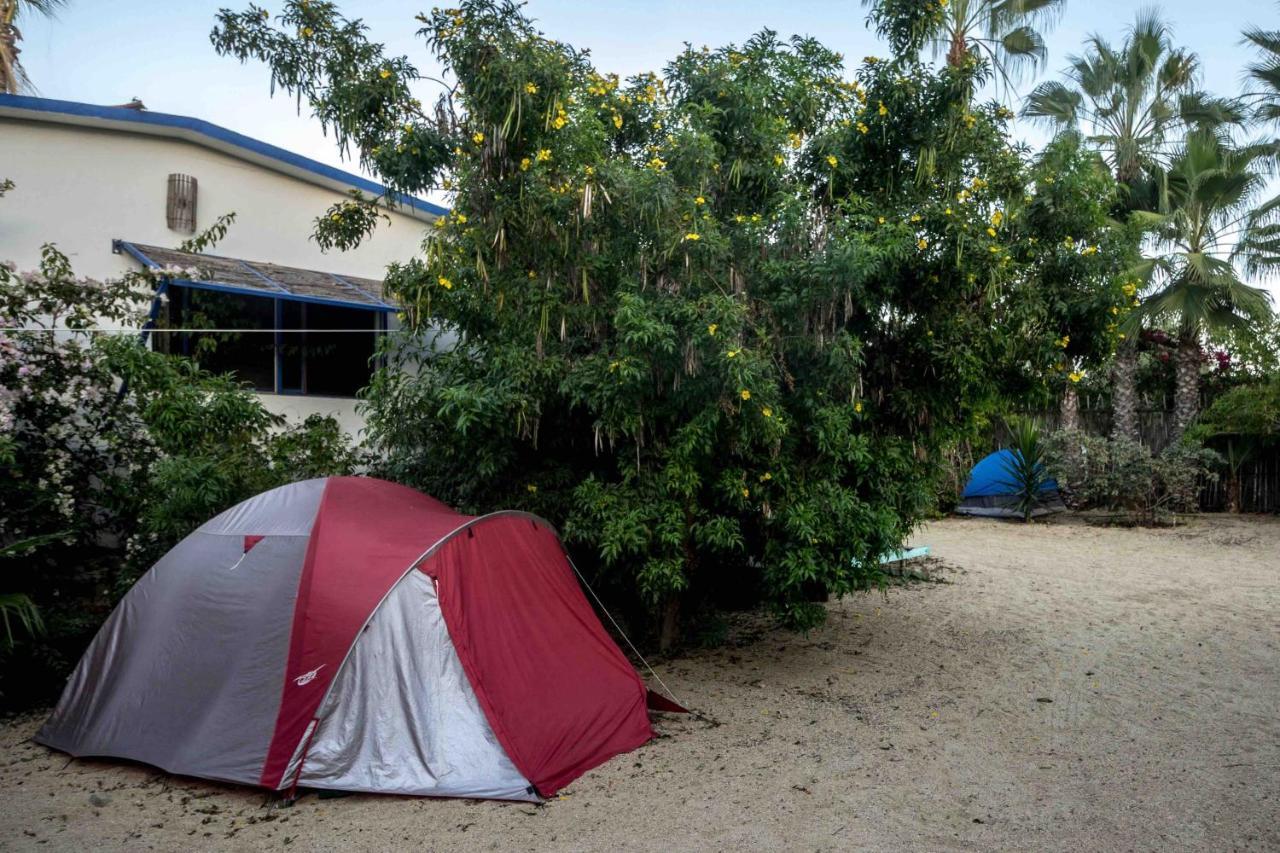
(308, 677)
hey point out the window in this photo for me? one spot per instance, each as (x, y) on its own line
(280, 345)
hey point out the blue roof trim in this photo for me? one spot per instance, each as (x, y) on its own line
(220, 134)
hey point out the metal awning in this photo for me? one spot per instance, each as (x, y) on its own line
(258, 278)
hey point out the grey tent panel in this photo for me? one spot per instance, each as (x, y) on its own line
(175, 676)
(402, 718)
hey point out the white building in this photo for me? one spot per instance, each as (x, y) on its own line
(117, 188)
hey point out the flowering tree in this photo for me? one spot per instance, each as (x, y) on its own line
(717, 322)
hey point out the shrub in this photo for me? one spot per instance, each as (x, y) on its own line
(1125, 477)
(1241, 423)
(110, 453)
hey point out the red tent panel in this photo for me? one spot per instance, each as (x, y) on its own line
(558, 693)
(366, 535)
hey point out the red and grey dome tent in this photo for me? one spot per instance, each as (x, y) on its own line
(352, 634)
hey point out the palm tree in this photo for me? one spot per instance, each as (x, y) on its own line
(1263, 75)
(13, 79)
(1002, 31)
(1205, 234)
(1133, 103)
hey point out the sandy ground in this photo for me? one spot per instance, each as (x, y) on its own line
(1068, 688)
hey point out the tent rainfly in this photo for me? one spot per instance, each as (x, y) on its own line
(991, 491)
(352, 634)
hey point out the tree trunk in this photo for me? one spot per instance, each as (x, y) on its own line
(1232, 488)
(1069, 409)
(1186, 394)
(1124, 394)
(669, 635)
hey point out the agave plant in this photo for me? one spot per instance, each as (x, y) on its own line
(1025, 471)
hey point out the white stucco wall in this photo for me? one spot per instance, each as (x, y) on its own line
(82, 187)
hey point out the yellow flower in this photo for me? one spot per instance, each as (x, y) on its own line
(922, 243)
(745, 394)
(711, 329)
(1075, 376)
(948, 211)
(766, 476)
(559, 122)
(794, 139)
(778, 159)
(857, 407)
(997, 218)
(307, 32)
(1090, 250)
(1064, 341)
(1069, 243)
(532, 488)
(532, 274)
(915, 217)
(477, 137)
(657, 164)
(991, 232)
(461, 218)
(693, 235)
(337, 217)
(617, 121)
(969, 120)
(1115, 310)
(699, 200)
(531, 88)
(384, 73)
(1122, 336)
(767, 412)
(613, 365)
(525, 163)
(445, 283)
(862, 128)
(1129, 289)
(880, 220)
(746, 493)
(993, 249)
(832, 161)
(733, 353)
(884, 111)
(544, 154)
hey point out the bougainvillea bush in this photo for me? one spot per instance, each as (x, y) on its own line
(109, 454)
(716, 321)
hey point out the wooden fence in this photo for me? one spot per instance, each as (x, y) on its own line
(1259, 477)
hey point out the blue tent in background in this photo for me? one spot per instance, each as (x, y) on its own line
(990, 490)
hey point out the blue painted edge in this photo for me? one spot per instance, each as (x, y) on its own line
(221, 134)
(133, 251)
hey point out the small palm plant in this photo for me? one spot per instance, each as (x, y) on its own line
(1025, 472)
(16, 606)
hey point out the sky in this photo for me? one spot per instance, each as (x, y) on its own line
(159, 50)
